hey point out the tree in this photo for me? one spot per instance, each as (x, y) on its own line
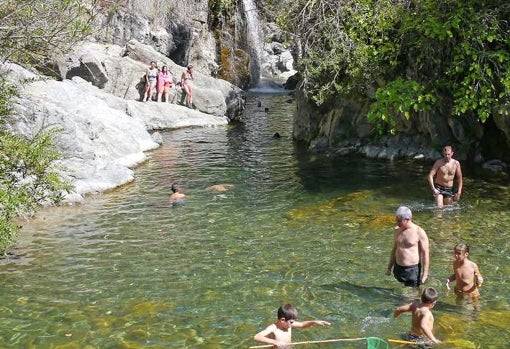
(415, 55)
(31, 31)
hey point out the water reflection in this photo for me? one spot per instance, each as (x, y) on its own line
(127, 270)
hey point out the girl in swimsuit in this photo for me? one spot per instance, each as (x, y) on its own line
(150, 81)
(187, 85)
(165, 81)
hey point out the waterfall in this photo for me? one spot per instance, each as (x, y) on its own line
(254, 41)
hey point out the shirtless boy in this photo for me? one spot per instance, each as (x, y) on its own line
(177, 198)
(280, 333)
(445, 170)
(410, 243)
(466, 275)
(422, 318)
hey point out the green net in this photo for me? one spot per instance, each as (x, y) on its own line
(376, 343)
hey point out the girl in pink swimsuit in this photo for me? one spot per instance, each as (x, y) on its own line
(165, 81)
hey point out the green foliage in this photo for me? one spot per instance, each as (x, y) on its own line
(220, 12)
(33, 30)
(417, 55)
(28, 175)
(399, 97)
(471, 61)
(345, 44)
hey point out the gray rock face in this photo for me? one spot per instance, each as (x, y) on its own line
(102, 136)
(343, 129)
(495, 169)
(121, 72)
(176, 29)
(278, 61)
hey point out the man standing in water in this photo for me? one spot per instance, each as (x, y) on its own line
(444, 171)
(410, 243)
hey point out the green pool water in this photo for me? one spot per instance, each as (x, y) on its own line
(126, 270)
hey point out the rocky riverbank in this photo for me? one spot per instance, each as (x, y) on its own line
(104, 129)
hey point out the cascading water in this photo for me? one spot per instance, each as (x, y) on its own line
(253, 31)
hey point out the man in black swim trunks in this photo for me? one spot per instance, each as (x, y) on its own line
(410, 252)
(441, 178)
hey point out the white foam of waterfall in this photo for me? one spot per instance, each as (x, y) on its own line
(254, 39)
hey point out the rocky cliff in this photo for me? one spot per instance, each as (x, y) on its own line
(92, 94)
(343, 129)
(213, 35)
(102, 137)
(359, 62)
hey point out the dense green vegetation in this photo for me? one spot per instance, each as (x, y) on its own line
(31, 31)
(34, 30)
(220, 12)
(408, 56)
(28, 176)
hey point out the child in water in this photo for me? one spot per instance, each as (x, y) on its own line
(466, 275)
(422, 318)
(177, 198)
(280, 333)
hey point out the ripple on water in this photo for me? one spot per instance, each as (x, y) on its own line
(125, 269)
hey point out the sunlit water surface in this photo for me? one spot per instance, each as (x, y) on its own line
(126, 270)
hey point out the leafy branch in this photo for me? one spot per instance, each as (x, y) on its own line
(33, 30)
(452, 54)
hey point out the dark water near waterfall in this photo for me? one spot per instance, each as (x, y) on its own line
(126, 270)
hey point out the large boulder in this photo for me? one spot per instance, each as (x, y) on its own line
(121, 72)
(102, 137)
(180, 32)
(341, 127)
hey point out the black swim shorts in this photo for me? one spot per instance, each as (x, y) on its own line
(421, 342)
(447, 192)
(409, 276)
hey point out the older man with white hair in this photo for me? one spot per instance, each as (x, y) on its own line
(410, 252)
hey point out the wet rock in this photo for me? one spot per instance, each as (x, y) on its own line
(495, 168)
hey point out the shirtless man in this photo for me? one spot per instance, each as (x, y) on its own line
(410, 243)
(444, 171)
(422, 318)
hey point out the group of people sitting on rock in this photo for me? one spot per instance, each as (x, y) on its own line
(162, 80)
